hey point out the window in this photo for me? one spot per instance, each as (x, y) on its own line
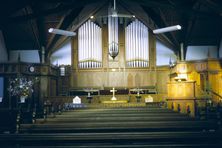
(164, 55)
(62, 56)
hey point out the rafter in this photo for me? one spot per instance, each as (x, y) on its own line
(60, 8)
(33, 26)
(40, 25)
(191, 23)
(167, 37)
(162, 16)
(179, 9)
(213, 6)
(149, 20)
(52, 36)
(62, 39)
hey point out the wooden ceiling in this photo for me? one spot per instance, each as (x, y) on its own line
(25, 23)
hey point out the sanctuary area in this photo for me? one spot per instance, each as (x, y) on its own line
(110, 73)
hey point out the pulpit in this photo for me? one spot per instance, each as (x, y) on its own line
(181, 95)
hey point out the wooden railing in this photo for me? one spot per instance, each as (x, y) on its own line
(217, 98)
(200, 93)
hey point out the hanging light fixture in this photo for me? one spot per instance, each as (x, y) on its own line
(167, 29)
(61, 32)
(113, 33)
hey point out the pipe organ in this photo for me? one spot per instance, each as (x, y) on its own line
(90, 45)
(137, 46)
(113, 36)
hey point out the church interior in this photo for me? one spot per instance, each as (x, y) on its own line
(110, 73)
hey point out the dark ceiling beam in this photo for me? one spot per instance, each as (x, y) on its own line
(52, 36)
(40, 25)
(180, 9)
(8, 8)
(166, 37)
(60, 8)
(64, 24)
(61, 39)
(154, 3)
(162, 16)
(33, 26)
(150, 19)
(213, 6)
(191, 22)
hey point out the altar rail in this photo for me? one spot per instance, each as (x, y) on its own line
(106, 91)
(96, 99)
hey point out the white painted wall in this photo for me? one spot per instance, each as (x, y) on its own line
(1, 87)
(220, 49)
(3, 50)
(201, 52)
(28, 56)
(163, 54)
(62, 56)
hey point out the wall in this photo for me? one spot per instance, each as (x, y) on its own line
(29, 56)
(3, 50)
(119, 78)
(1, 88)
(62, 56)
(114, 73)
(164, 54)
(220, 49)
(201, 52)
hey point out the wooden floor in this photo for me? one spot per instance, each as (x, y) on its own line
(116, 127)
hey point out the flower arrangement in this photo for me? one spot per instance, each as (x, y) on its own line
(21, 86)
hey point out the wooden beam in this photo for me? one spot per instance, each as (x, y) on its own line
(52, 36)
(213, 6)
(179, 9)
(77, 22)
(40, 25)
(59, 8)
(191, 24)
(64, 24)
(33, 26)
(162, 16)
(148, 20)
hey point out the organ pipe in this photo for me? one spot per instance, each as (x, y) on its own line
(90, 45)
(137, 48)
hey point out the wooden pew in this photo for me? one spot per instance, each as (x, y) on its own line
(8, 120)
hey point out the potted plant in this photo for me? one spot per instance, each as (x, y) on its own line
(21, 87)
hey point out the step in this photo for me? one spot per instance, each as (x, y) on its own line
(119, 115)
(121, 138)
(122, 110)
(117, 126)
(126, 145)
(117, 119)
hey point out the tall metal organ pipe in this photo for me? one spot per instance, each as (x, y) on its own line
(89, 45)
(137, 46)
